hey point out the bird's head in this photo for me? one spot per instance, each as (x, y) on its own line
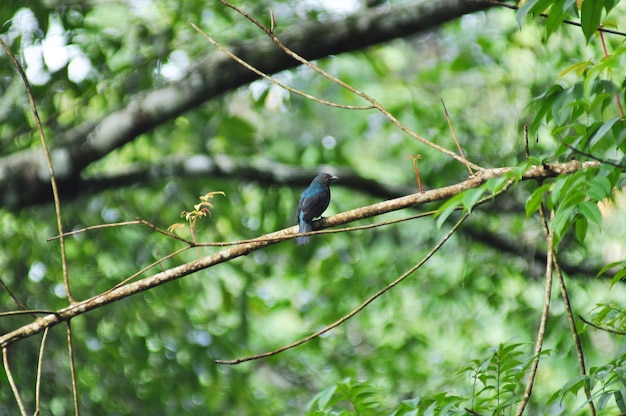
(325, 179)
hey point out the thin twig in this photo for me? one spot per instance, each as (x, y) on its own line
(39, 371)
(546, 170)
(347, 87)
(12, 295)
(93, 227)
(357, 309)
(274, 80)
(417, 171)
(526, 146)
(70, 351)
(566, 21)
(121, 224)
(32, 312)
(590, 156)
(572, 326)
(53, 182)
(612, 331)
(606, 55)
(456, 139)
(237, 242)
(166, 233)
(544, 314)
(145, 269)
(7, 369)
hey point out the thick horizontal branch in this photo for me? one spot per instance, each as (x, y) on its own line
(269, 172)
(23, 177)
(538, 172)
(241, 170)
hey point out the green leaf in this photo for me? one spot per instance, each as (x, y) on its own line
(561, 223)
(571, 199)
(610, 266)
(608, 5)
(618, 276)
(543, 114)
(567, 189)
(531, 6)
(495, 185)
(577, 67)
(619, 401)
(534, 201)
(590, 16)
(590, 210)
(555, 17)
(605, 128)
(448, 208)
(581, 228)
(322, 398)
(470, 197)
(599, 188)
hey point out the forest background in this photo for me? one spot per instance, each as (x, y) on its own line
(486, 281)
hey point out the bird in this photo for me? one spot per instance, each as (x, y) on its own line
(313, 202)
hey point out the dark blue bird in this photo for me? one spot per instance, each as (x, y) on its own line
(313, 202)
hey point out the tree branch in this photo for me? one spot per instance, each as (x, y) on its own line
(24, 181)
(537, 172)
(268, 172)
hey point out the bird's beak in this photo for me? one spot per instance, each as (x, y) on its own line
(334, 178)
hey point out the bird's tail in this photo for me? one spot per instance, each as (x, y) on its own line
(304, 228)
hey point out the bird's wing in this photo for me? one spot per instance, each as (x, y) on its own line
(313, 204)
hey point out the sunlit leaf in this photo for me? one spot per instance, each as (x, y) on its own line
(577, 67)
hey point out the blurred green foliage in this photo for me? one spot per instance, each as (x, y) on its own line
(457, 334)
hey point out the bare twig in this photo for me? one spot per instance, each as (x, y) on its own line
(70, 352)
(572, 326)
(417, 171)
(121, 224)
(526, 146)
(357, 309)
(93, 227)
(32, 312)
(12, 295)
(606, 55)
(53, 182)
(148, 267)
(566, 21)
(612, 331)
(44, 338)
(7, 369)
(274, 80)
(592, 157)
(456, 139)
(374, 296)
(544, 315)
(348, 87)
(534, 172)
